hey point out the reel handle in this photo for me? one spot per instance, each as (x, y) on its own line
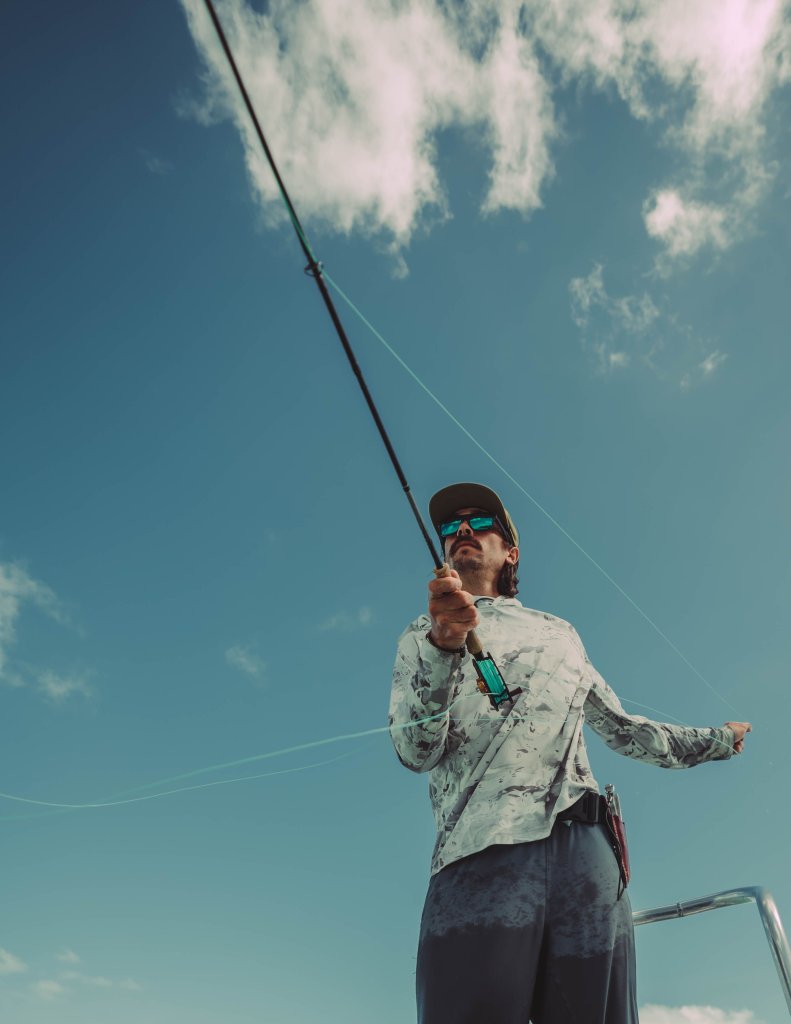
(473, 643)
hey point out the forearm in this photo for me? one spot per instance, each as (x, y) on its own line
(667, 746)
(424, 680)
(658, 743)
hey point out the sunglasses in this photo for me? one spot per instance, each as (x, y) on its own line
(477, 524)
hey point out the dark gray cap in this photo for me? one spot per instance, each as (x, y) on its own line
(445, 502)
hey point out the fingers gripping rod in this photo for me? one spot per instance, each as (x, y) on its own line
(490, 681)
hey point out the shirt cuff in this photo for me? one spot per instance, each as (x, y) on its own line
(725, 739)
(445, 650)
(438, 670)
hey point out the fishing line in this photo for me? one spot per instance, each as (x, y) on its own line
(120, 799)
(113, 802)
(300, 746)
(524, 491)
(316, 270)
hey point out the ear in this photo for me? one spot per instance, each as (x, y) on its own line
(513, 556)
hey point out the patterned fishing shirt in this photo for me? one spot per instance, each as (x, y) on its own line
(503, 776)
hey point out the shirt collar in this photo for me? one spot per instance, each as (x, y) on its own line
(499, 601)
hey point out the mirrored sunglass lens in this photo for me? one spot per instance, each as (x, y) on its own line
(481, 522)
(446, 529)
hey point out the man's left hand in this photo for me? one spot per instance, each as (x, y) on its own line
(740, 730)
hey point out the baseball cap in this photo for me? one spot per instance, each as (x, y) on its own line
(445, 502)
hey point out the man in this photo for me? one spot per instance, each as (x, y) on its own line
(525, 916)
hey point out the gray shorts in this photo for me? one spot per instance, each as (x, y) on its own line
(530, 932)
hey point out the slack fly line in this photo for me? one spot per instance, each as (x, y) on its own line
(124, 797)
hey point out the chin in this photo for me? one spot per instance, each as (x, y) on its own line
(468, 559)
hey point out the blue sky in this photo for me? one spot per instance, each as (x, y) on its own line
(575, 229)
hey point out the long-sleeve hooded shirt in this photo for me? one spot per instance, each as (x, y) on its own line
(503, 776)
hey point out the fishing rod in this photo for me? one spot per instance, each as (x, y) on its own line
(490, 680)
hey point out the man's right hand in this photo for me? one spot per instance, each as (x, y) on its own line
(452, 610)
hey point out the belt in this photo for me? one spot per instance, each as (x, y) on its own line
(590, 808)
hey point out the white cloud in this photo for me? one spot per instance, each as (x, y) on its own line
(711, 362)
(620, 332)
(354, 95)
(727, 56)
(86, 979)
(98, 981)
(52, 988)
(704, 74)
(612, 328)
(704, 370)
(246, 660)
(17, 587)
(58, 688)
(632, 313)
(685, 226)
(10, 964)
(617, 359)
(519, 118)
(47, 988)
(346, 621)
(156, 164)
(652, 1014)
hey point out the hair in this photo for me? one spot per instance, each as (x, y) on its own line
(507, 580)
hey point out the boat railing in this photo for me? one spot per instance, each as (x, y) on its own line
(767, 909)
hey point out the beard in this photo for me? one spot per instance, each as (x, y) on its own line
(467, 557)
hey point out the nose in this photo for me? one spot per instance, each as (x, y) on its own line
(464, 529)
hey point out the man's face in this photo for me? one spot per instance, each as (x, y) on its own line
(485, 551)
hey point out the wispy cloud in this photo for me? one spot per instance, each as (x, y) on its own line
(48, 988)
(703, 371)
(156, 164)
(652, 1014)
(93, 981)
(130, 985)
(362, 90)
(611, 327)
(685, 226)
(347, 621)
(246, 660)
(621, 332)
(58, 688)
(79, 978)
(10, 964)
(18, 588)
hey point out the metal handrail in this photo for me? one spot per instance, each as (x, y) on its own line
(767, 908)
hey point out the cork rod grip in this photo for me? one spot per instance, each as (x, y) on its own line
(473, 643)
